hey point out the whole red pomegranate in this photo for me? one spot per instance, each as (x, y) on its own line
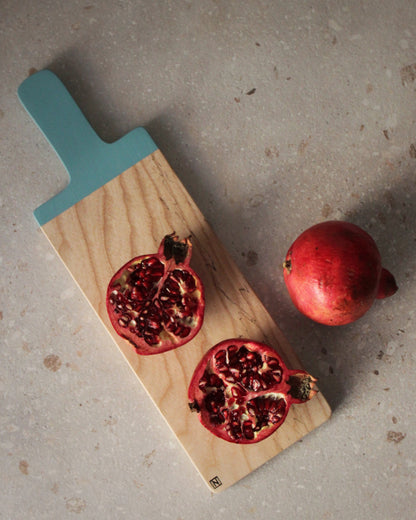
(242, 390)
(333, 273)
(156, 301)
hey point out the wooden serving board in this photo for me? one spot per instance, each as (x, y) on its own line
(123, 198)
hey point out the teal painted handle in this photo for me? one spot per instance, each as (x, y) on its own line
(89, 160)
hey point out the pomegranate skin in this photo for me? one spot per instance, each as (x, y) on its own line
(333, 273)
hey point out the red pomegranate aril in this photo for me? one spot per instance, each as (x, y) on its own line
(248, 432)
(217, 419)
(214, 400)
(214, 380)
(220, 360)
(236, 394)
(183, 332)
(157, 301)
(229, 377)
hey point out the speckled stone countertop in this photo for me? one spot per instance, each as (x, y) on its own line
(275, 115)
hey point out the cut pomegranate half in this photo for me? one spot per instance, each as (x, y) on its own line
(157, 301)
(242, 390)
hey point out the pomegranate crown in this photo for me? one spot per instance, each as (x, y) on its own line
(179, 250)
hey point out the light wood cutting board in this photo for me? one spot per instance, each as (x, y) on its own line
(122, 199)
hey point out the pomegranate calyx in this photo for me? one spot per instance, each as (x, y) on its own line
(387, 285)
(177, 249)
(302, 386)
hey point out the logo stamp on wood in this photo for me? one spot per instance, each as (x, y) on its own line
(215, 482)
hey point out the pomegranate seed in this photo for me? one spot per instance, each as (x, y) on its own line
(229, 377)
(217, 418)
(220, 360)
(255, 384)
(214, 380)
(248, 430)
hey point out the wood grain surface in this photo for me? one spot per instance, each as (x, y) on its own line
(128, 217)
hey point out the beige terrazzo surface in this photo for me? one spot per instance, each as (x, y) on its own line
(275, 115)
